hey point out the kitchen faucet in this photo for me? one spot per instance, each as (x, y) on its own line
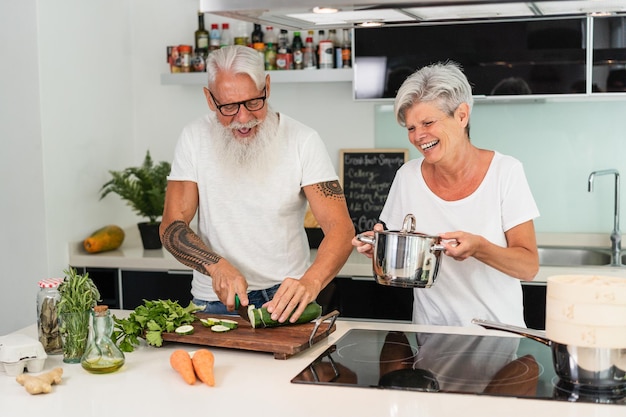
(616, 235)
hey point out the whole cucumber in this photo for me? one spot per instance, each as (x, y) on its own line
(260, 317)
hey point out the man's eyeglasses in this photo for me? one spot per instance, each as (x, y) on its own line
(231, 109)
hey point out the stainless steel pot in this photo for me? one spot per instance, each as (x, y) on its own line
(405, 258)
(593, 367)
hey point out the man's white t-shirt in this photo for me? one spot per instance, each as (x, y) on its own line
(254, 222)
(465, 289)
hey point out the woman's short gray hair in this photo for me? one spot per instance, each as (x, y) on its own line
(441, 83)
(237, 59)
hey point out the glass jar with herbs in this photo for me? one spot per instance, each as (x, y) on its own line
(79, 295)
(47, 315)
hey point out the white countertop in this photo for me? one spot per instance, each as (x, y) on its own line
(249, 383)
(132, 256)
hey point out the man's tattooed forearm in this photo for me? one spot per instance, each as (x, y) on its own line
(330, 189)
(187, 247)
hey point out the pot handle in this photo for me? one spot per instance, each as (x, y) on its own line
(537, 335)
(408, 226)
(362, 237)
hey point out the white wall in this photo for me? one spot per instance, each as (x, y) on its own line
(22, 207)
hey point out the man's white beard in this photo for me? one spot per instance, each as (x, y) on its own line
(251, 156)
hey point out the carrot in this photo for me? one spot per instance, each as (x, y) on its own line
(203, 361)
(181, 362)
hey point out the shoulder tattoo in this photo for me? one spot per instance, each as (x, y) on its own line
(330, 189)
(187, 247)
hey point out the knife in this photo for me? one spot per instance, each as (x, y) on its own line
(243, 311)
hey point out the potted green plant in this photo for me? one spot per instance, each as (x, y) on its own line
(143, 188)
(79, 295)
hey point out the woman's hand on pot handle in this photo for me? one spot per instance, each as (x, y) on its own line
(366, 248)
(460, 245)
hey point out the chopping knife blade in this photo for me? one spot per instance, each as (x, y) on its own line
(243, 311)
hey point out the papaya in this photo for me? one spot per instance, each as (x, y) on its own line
(104, 239)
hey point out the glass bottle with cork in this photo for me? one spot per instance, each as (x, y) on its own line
(102, 356)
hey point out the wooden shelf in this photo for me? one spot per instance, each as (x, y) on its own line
(291, 76)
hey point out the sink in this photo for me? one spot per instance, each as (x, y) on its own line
(570, 256)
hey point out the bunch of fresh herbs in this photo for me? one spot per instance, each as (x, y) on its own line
(79, 295)
(149, 321)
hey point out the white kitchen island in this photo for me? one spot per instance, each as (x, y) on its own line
(256, 384)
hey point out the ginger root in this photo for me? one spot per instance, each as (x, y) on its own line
(40, 383)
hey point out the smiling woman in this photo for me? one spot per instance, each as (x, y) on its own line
(454, 191)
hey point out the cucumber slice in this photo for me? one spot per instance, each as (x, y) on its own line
(184, 330)
(231, 324)
(208, 322)
(218, 328)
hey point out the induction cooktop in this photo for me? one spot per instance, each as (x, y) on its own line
(448, 363)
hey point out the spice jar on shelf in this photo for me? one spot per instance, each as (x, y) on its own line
(47, 315)
(102, 356)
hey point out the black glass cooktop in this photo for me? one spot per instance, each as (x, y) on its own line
(439, 362)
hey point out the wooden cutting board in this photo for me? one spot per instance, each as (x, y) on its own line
(283, 341)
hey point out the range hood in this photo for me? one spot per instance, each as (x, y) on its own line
(299, 15)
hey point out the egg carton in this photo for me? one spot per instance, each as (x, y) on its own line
(19, 352)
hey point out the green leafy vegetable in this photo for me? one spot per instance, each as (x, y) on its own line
(149, 321)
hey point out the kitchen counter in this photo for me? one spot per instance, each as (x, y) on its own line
(132, 256)
(257, 384)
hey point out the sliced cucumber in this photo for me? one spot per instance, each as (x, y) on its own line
(231, 324)
(208, 322)
(218, 328)
(184, 330)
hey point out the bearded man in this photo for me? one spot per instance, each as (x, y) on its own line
(249, 173)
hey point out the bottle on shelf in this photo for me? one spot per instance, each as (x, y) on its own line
(257, 34)
(308, 57)
(296, 46)
(346, 49)
(320, 36)
(337, 61)
(241, 36)
(225, 38)
(201, 36)
(270, 36)
(215, 37)
(270, 56)
(326, 53)
(284, 58)
(185, 58)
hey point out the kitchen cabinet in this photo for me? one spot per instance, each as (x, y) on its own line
(127, 289)
(107, 282)
(535, 304)
(154, 285)
(291, 76)
(363, 298)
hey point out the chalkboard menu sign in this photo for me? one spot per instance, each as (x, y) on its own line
(366, 175)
